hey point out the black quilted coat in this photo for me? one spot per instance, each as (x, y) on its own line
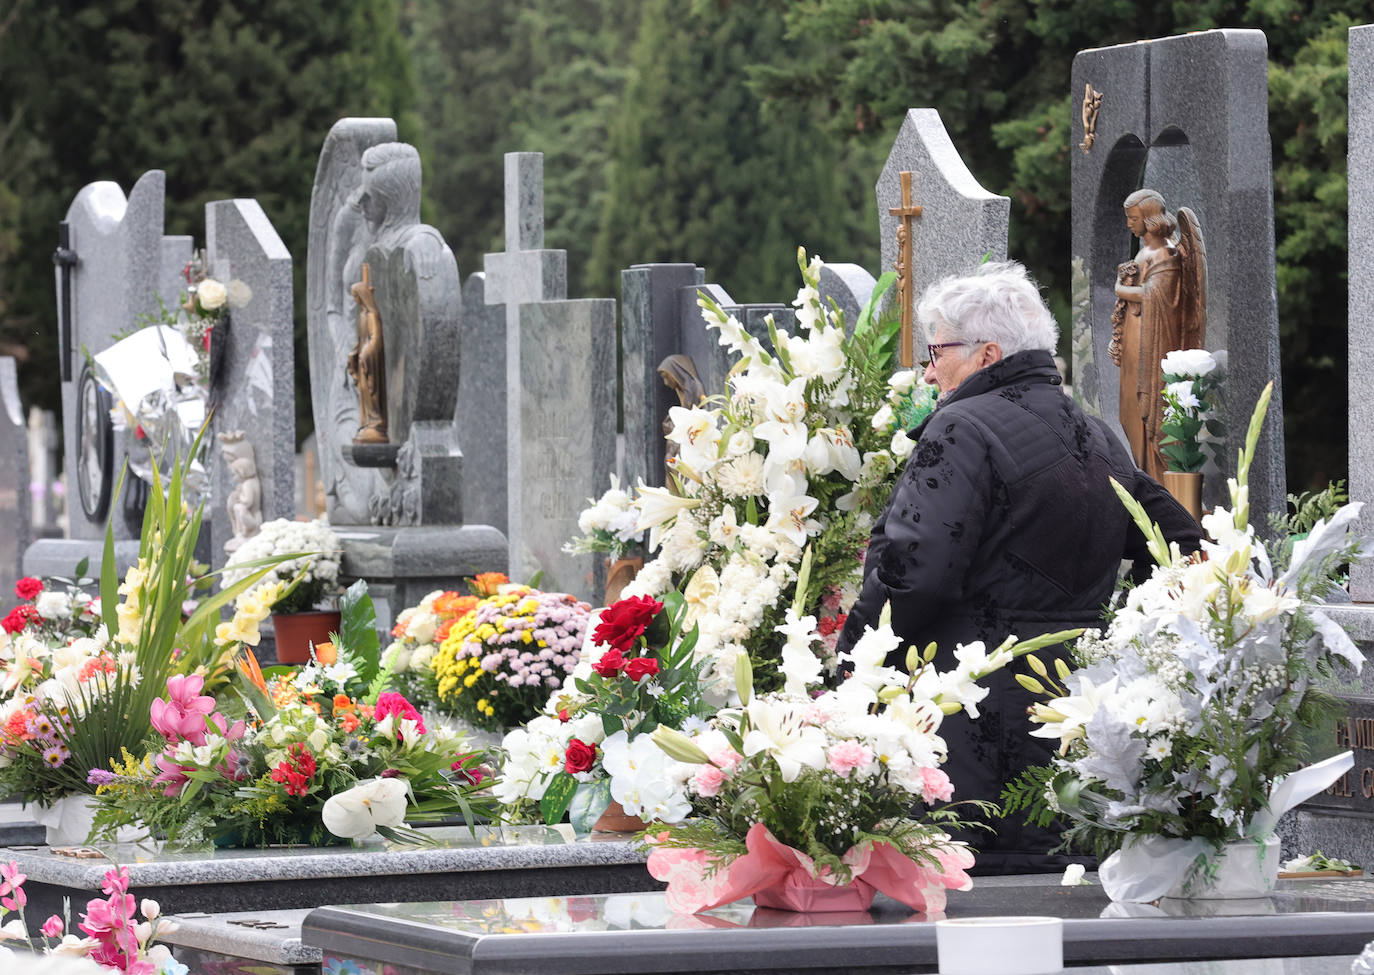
(1003, 522)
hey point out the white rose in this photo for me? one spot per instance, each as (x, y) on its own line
(1188, 362)
(210, 294)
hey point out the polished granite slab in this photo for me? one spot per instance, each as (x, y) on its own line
(492, 862)
(625, 933)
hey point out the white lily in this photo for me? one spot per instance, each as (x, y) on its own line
(657, 507)
(359, 811)
(780, 729)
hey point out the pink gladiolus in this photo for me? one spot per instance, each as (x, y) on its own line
(52, 927)
(183, 714)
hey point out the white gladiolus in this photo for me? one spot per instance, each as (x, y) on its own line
(1188, 362)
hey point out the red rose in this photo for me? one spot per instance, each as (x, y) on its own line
(579, 756)
(20, 617)
(640, 667)
(610, 664)
(564, 716)
(28, 587)
(626, 621)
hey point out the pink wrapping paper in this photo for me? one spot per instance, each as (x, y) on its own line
(785, 878)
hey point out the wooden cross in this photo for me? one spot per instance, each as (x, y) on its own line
(907, 212)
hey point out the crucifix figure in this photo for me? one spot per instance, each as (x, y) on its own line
(907, 212)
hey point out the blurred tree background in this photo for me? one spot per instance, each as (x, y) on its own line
(723, 133)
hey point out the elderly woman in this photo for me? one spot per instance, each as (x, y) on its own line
(1003, 522)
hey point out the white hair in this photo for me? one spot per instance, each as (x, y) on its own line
(1000, 303)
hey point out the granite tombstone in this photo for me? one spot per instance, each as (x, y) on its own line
(45, 467)
(951, 223)
(254, 392)
(1188, 117)
(15, 496)
(113, 265)
(481, 410)
(560, 391)
(660, 317)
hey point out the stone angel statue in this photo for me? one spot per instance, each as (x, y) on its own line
(1162, 306)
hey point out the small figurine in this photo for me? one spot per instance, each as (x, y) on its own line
(1165, 309)
(245, 500)
(367, 364)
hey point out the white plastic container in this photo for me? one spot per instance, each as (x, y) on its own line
(1000, 945)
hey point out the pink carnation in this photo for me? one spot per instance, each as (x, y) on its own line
(726, 758)
(935, 785)
(708, 780)
(847, 756)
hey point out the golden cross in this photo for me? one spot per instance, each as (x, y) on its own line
(907, 212)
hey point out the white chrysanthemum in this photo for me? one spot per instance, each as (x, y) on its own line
(741, 477)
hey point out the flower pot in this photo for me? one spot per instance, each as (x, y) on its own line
(295, 632)
(614, 820)
(1245, 868)
(68, 821)
(1187, 491)
(620, 574)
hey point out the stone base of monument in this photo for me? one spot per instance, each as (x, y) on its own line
(495, 862)
(581, 935)
(61, 556)
(402, 565)
(1339, 821)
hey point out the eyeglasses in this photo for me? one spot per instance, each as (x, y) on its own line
(933, 351)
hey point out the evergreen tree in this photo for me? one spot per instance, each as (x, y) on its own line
(231, 98)
(703, 172)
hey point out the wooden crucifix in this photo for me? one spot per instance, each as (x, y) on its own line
(906, 212)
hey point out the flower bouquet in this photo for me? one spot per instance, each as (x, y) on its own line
(71, 708)
(800, 450)
(54, 612)
(500, 661)
(1182, 730)
(416, 636)
(326, 753)
(306, 556)
(115, 937)
(806, 797)
(610, 526)
(591, 746)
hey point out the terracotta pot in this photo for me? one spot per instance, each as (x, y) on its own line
(620, 574)
(1187, 491)
(614, 820)
(295, 632)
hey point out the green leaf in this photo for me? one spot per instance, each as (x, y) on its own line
(557, 797)
(588, 803)
(358, 642)
(82, 566)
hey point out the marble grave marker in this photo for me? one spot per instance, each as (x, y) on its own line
(560, 391)
(255, 390)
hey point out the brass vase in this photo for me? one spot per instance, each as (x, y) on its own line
(1187, 491)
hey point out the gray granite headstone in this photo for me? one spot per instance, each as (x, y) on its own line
(119, 266)
(850, 287)
(124, 267)
(481, 413)
(255, 390)
(560, 391)
(45, 466)
(15, 518)
(1361, 277)
(1187, 116)
(659, 318)
(960, 223)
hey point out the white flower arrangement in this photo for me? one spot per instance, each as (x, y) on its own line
(1185, 717)
(314, 570)
(801, 450)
